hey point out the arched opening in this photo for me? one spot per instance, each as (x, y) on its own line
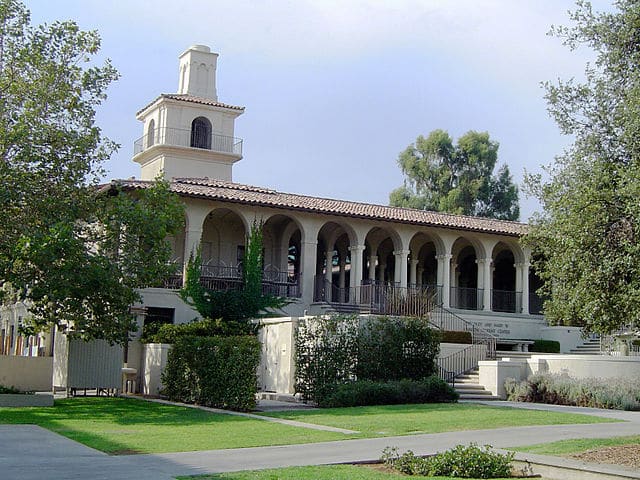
(333, 265)
(201, 133)
(151, 133)
(282, 239)
(504, 297)
(222, 248)
(465, 293)
(423, 265)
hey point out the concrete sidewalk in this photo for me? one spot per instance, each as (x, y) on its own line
(29, 452)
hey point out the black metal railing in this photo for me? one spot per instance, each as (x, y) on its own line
(376, 298)
(222, 277)
(467, 298)
(447, 320)
(185, 138)
(461, 362)
(506, 301)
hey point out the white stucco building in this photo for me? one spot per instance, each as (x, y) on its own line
(324, 253)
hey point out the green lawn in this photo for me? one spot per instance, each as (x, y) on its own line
(392, 420)
(121, 426)
(327, 472)
(568, 447)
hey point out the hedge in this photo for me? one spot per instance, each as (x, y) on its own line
(169, 332)
(213, 371)
(366, 392)
(545, 346)
(449, 336)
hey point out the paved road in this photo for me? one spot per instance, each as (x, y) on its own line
(30, 452)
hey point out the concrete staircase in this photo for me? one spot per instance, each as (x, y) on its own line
(591, 346)
(468, 387)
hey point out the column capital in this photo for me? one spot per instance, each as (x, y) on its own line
(357, 248)
(401, 252)
(483, 261)
(444, 256)
(522, 265)
(414, 262)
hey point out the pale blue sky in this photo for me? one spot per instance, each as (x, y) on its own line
(335, 89)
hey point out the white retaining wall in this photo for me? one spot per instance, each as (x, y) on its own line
(494, 373)
(27, 373)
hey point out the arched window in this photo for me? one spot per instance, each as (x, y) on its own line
(201, 133)
(151, 134)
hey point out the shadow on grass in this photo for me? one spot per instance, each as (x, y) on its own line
(101, 413)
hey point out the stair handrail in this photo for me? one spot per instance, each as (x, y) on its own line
(462, 361)
(451, 321)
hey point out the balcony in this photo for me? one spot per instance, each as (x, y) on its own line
(176, 137)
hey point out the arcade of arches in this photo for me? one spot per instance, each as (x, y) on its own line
(320, 258)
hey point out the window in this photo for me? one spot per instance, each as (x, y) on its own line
(151, 134)
(201, 133)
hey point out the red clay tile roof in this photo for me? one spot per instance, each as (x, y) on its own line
(249, 195)
(183, 97)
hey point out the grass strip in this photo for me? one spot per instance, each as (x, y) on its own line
(568, 447)
(390, 420)
(325, 472)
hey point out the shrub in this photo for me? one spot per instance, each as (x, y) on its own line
(462, 461)
(326, 354)
(613, 393)
(331, 351)
(545, 346)
(213, 371)
(395, 348)
(449, 336)
(367, 392)
(170, 333)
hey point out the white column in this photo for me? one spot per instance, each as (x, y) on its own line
(401, 267)
(328, 273)
(419, 273)
(413, 272)
(381, 271)
(372, 267)
(444, 277)
(308, 262)
(525, 287)
(356, 265)
(485, 266)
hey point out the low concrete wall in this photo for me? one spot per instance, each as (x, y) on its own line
(17, 400)
(154, 359)
(586, 366)
(27, 373)
(493, 373)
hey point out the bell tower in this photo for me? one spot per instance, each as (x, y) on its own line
(189, 133)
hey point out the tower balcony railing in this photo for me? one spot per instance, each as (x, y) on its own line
(177, 137)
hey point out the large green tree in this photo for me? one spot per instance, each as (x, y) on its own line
(458, 179)
(72, 253)
(589, 231)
